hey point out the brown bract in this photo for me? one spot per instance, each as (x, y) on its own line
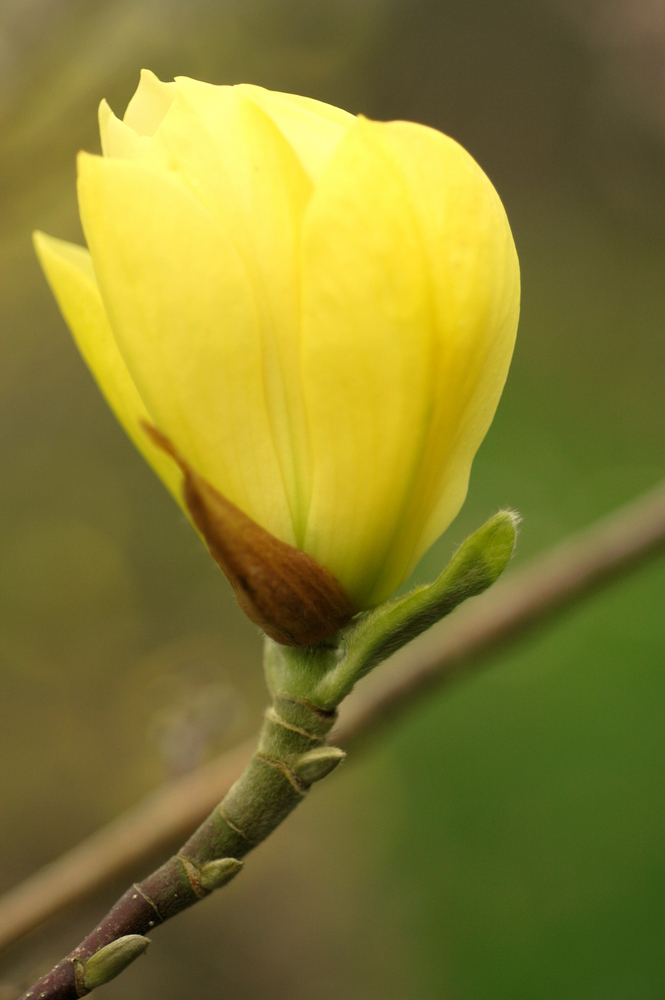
(283, 590)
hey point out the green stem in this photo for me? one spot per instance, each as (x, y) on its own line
(276, 779)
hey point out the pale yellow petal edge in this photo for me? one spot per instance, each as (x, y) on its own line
(70, 274)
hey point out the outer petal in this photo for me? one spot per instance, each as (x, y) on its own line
(313, 129)
(475, 285)
(410, 291)
(149, 104)
(70, 274)
(117, 138)
(184, 315)
(232, 157)
(368, 355)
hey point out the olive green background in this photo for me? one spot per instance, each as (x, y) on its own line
(505, 840)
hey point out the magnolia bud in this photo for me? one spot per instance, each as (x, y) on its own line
(317, 310)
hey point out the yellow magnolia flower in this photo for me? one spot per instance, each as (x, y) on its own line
(316, 313)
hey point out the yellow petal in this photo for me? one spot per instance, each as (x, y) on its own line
(367, 359)
(232, 157)
(476, 295)
(149, 104)
(118, 139)
(184, 315)
(68, 269)
(103, 114)
(313, 129)
(409, 313)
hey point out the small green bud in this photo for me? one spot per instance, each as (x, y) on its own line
(316, 764)
(215, 874)
(112, 959)
(376, 635)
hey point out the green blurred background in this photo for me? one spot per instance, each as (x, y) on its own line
(506, 840)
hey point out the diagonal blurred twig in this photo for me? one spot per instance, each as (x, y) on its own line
(550, 582)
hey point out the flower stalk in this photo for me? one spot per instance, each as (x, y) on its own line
(306, 685)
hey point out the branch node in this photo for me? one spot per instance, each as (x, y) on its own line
(79, 977)
(236, 829)
(144, 895)
(273, 716)
(291, 776)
